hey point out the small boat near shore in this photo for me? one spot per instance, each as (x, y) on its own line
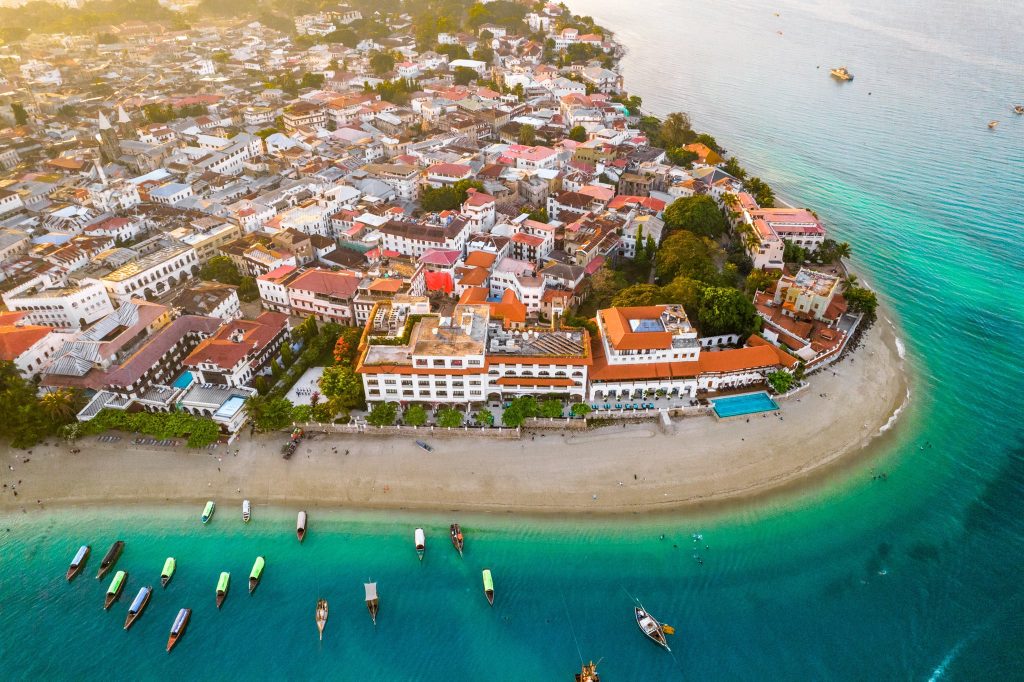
(115, 589)
(78, 562)
(488, 586)
(588, 673)
(178, 627)
(168, 571)
(425, 446)
(208, 511)
(457, 540)
(372, 601)
(110, 558)
(651, 628)
(421, 543)
(246, 511)
(138, 606)
(321, 616)
(300, 526)
(256, 574)
(222, 587)
(842, 73)
(992, 125)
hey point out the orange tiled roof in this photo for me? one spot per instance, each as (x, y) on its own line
(480, 259)
(622, 337)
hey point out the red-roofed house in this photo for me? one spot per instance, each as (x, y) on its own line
(443, 174)
(29, 346)
(238, 350)
(324, 294)
(480, 210)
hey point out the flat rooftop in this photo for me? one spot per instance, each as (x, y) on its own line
(820, 283)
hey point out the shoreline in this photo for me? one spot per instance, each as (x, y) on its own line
(705, 465)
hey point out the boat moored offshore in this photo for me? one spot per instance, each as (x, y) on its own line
(178, 627)
(372, 601)
(208, 511)
(168, 571)
(222, 587)
(488, 586)
(138, 606)
(110, 558)
(651, 628)
(115, 589)
(588, 673)
(78, 563)
(457, 540)
(256, 574)
(842, 73)
(321, 616)
(246, 511)
(421, 543)
(300, 526)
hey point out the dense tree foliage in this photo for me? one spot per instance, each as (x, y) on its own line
(449, 418)
(578, 134)
(28, 418)
(698, 214)
(781, 381)
(527, 135)
(685, 253)
(414, 415)
(727, 311)
(383, 414)
(221, 269)
(200, 431)
(449, 197)
(861, 300)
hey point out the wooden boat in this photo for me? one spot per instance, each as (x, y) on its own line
(457, 540)
(110, 558)
(115, 589)
(425, 446)
(488, 586)
(138, 606)
(321, 616)
(992, 125)
(372, 601)
(246, 511)
(78, 563)
(588, 673)
(842, 73)
(421, 543)
(1018, 109)
(165, 575)
(651, 628)
(222, 587)
(178, 628)
(300, 526)
(208, 511)
(256, 574)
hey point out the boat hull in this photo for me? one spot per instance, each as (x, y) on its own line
(75, 569)
(490, 596)
(221, 596)
(111, 597)
(175, 637)
(253, 584)
(246, 511)
(655, 632)
(321, 616)
(300, 526)
(110, 559)
(458, 542)
(168, 571)
(373, 607)
(134, 615)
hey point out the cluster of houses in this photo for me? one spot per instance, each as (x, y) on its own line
(108, 216)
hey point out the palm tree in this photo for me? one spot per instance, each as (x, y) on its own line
(843, 250)
(59, 405)
(850, 282)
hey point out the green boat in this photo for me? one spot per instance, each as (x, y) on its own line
(168, 572)
(256, 573)
(488, 586)
(222, 587)
(115, 589)
(208, 511)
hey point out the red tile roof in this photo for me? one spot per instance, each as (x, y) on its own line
(225, 353)
(328, 283)
(16, 340)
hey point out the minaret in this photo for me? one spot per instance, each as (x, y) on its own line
(124, 123)
(110, 145)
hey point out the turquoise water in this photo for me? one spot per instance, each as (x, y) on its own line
(914, 576)
(184, 380)
(748, 403)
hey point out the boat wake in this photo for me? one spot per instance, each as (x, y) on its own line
(940, 671)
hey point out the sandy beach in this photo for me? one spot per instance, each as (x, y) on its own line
(612, 470)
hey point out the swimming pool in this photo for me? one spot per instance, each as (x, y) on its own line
(748, 403)
(230, 407)
(183, 381)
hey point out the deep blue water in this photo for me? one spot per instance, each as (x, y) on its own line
(914, 577)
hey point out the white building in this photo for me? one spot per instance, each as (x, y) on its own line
(152, 274)
(67, 307)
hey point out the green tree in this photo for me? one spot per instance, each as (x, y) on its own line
(578, 134)
(580, 409)
(382, 414)
(684, 253)
(287, 355)
(709, 141)
(269, 414)
(680, 156)
(684, 291)
(464, 75)
(512, 416)
(342, 383)
(248, 290)
(793, 253)
(762, 193)
(484, 417)
(781, 381)
(676, 130)
(727, 311)
(414, 415)
(761, 280)
(221, 269)
(275, 369)
(539, 214)
(20, 115)
(861, 300)
(382, 62)
(638, 295)
(551, 408)
(527, 135)
(312, 80)
(61, 405)
(449, 418)
(483, 53)
(732, 167)
(698, 214)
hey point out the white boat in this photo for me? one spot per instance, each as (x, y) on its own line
(246, 511)
(421, 543)
(300, 526)
(651, 628)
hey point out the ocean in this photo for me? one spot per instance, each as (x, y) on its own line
(914, 576)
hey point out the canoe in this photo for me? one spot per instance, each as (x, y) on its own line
(178, 628)
(488, 586)
(421, 543)
(115, 589)
(246, 511)
(651, 628)
(457, 540)
(78, 563)
(138, 606)
(321, 616)
(372, 600)
(165, 575)
(208, 511)
(256, 573)
(110, 558)
(300, 526)
(222, 587)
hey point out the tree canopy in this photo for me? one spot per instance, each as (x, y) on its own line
(698, 214)
(221, 269)
(449, 197)
(684, 253)
(382, 414)
(727, 311)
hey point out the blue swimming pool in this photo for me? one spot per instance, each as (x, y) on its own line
(748, 403)
(183, 381)
(230, 407)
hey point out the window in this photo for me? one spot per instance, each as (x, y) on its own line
(389, 382)
(392, 391)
